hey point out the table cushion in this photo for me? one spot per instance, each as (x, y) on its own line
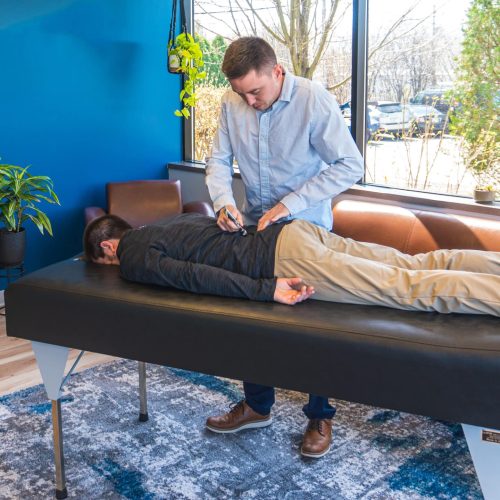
(444, 366)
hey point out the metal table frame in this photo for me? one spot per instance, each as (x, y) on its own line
(484, 444)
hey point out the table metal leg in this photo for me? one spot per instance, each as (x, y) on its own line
(61, 491)
(484, 447)
(51, 361)
(143, 414)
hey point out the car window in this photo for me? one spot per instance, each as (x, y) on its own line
(390, 108)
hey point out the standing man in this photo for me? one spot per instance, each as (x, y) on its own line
(294, 153)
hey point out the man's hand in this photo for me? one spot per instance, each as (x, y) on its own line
(274, 214)
(292, 290)
(225, 223)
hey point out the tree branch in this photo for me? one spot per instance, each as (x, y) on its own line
(324, 37)
(264, 24)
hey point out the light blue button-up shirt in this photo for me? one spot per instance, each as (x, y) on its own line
(299, 152)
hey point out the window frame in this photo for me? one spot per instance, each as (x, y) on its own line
(359, 77)
(188, 125)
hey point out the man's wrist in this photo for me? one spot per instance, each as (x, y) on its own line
(221, 209)
(293, 203)
(224, 202)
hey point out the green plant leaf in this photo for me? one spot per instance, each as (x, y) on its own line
(35, 221)
(54, 196)
(20, 192)
(43, 219)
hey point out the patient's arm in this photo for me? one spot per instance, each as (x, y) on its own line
(156, 268)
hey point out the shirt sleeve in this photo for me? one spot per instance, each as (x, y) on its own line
(159, 269)
(219, 169)
(331, 139)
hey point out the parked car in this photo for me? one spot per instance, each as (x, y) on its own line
(427, 118)
(435, 97)
(372, 124)
(393, 117)
(346, 112)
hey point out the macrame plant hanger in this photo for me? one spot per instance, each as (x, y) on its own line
(174, 62)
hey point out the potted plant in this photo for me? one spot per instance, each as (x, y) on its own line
(484, 194)
(20, 192)
(482, 159)
(185, 57)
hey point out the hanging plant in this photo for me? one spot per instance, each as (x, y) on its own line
(185, 57)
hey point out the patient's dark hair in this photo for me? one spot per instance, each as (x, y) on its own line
(248, 53)
(107, 227)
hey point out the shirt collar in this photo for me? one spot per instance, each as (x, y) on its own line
(286, 90)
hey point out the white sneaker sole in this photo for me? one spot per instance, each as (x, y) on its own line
(314, 455)
(250, 425)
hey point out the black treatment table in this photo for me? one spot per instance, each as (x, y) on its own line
(442, 366)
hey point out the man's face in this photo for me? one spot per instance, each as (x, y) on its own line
(109, 260)
(259, 90)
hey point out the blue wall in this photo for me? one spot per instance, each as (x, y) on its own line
(85, 99)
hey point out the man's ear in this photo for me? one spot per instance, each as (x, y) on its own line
(109, 247)
(277, 70)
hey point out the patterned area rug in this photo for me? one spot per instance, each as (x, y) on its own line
(377, 454)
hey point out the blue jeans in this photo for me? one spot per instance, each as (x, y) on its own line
(261, 397)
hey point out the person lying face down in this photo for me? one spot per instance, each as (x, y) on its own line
(190, 252)
(294, 261)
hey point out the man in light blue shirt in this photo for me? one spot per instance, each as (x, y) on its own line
(293, 148)
(294, 154)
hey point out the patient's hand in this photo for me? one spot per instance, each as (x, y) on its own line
(292, 290)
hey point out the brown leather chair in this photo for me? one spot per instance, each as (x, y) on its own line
(145, 202)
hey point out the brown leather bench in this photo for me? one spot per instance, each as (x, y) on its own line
(412, 229)
(443, 366)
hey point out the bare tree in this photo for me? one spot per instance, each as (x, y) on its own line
(303, 29)
(410, 64)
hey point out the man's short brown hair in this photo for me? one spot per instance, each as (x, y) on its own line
(246, 54)
(107, 227)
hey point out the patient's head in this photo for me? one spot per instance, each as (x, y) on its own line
(101, 238)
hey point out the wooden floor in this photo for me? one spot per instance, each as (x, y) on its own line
(18, 368)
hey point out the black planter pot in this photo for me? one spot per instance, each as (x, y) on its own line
(12, 247)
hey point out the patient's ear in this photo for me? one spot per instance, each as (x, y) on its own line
(109, 247)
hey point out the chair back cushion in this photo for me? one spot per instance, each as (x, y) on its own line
(144, 202)
(413, 229)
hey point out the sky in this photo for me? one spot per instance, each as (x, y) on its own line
(450, 14)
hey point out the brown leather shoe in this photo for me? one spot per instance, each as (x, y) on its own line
(239, 417)
(317, 438)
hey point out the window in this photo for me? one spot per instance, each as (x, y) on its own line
(407, 57)
(319, 50)
(413, 49)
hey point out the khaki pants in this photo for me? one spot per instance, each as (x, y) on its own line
(344, 270)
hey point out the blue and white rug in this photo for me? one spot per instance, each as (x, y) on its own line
(377, 454)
